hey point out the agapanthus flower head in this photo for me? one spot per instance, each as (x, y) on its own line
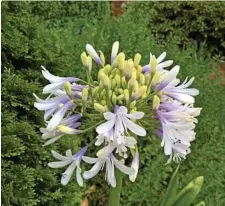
(126, 102)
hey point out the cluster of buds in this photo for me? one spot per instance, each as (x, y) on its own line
(124, 97)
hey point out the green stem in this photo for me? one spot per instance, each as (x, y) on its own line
(114, 192)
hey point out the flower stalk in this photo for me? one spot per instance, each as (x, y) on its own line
(114, 192)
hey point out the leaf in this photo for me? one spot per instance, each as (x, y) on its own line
(201, 204)
(171, 190)
(186, 196)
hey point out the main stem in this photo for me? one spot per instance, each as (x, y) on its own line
(114, 192)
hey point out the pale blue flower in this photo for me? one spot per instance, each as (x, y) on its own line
(73, 161)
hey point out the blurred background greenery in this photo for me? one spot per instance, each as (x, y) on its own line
(54, 34)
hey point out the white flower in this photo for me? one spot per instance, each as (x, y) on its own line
(160, 65)
(120, 122)
(55, 81)
(73, 161)
(110, 161)
(67, 125)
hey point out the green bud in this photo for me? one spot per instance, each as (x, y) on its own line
(147, 79)
(142, 79)
(139, 71)
(124, 83)
(114, 98)
(121, 91)
(113, 83)
(153, 64)
(95, 91)
(120, 97)
(83, 57)
(89, 63)
(84, 94)
(126, 96)
(156, 102)
(105, 80)
(141, 91)
(107, 69)
(99, 108)
(102, 57)
(155, 78)
(132, 105)
(67, 87)
(137, 59)
(118, 80)
(119, 60)
(103, 102)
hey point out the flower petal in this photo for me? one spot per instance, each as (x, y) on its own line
(78, 176)
(105, 127)
(59, 163)
(161, 57)
(67, 174)
(123, 168)
(90, 160)
(58, 156)
(93, 171)
(136, 115)
(136, 129)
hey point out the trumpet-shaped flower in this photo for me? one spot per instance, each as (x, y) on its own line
(121, 123)
(55, 81)
(50, 105)
(110, 161)
(178, 122)
(160, 64)
(170, 86)
(73, 161)
(67, 125)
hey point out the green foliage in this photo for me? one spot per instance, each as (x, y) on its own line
(171, 191)
(189, 22)
(54, 34)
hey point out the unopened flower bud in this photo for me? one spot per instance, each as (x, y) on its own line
(105, 80)
(124, 82)
(65, 129)
(91, 51)
(126, 96)
(115, 49)
(114, 99)
(156, 102)
(137, 59)
(142, 79)
(83, 57)
(155, 78)
(89, 63)
(147, 78)
(141, 91)
(119, 60)
(84, 94)
(153, 64)
(99, 108)
(68, 89)
(132, 105)
(102, 57)
(118, 80)
(121, 97)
